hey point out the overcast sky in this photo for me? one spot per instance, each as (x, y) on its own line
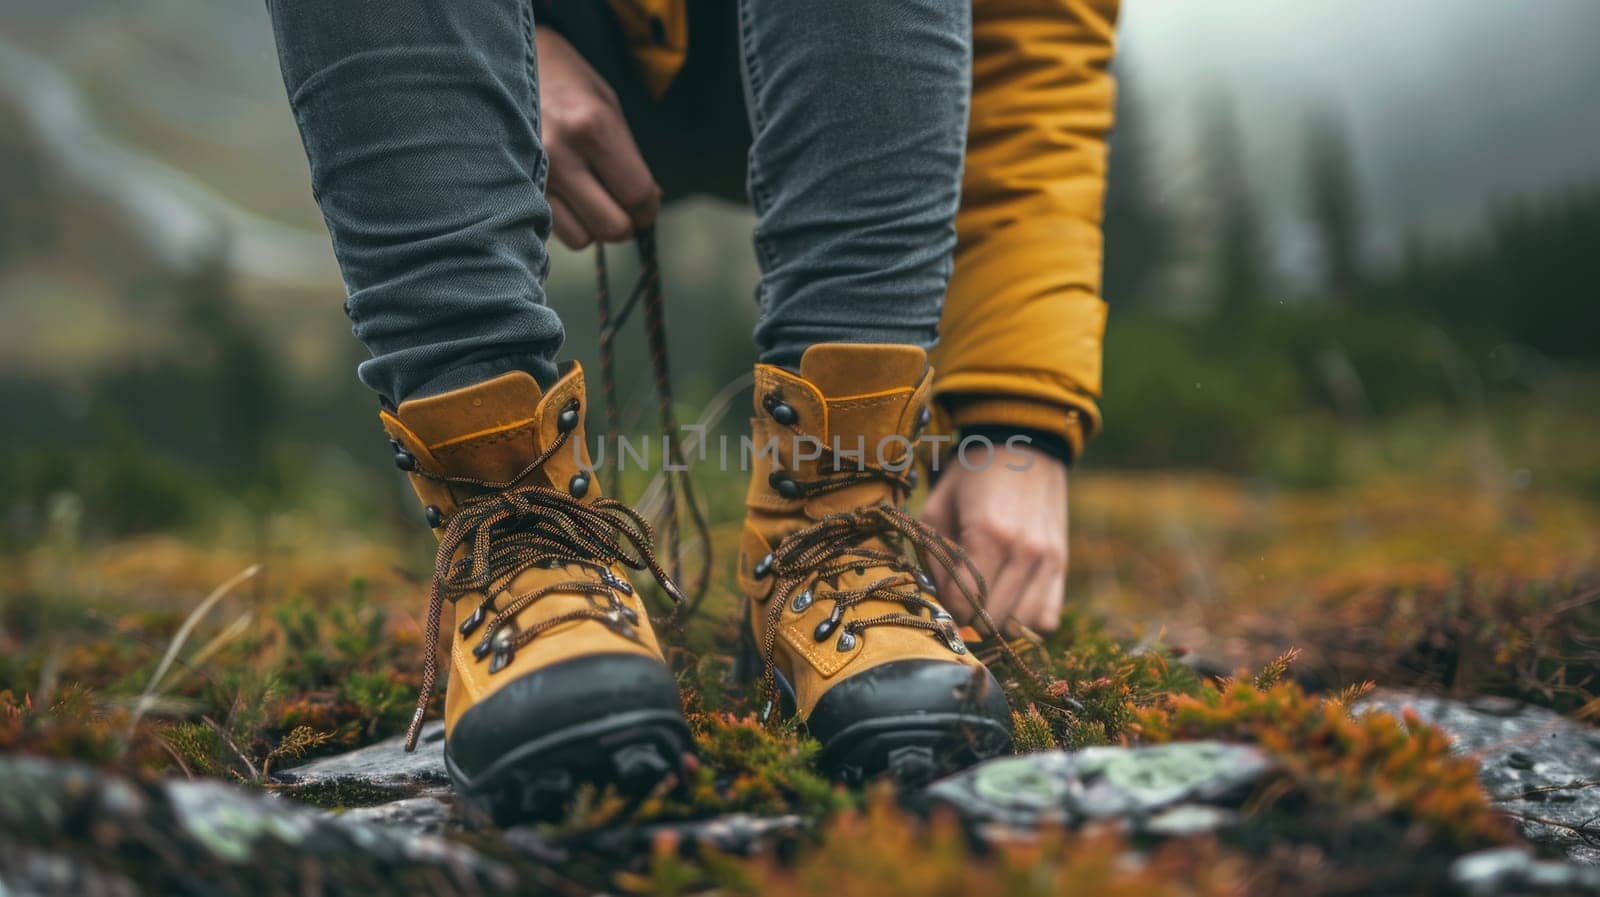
(1451, 104)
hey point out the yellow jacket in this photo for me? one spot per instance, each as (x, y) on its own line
(1020, 341)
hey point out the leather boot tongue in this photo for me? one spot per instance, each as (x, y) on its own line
(852, 369)
(467, 429)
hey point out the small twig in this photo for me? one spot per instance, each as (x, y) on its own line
(1586, 831)
(1550, 789)
(176, 757)
(232, 745)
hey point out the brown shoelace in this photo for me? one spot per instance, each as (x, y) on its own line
(514, 526)
(863, 538)
(675, 480)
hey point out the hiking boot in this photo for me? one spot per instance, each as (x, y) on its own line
(556, 678)
(840, 614)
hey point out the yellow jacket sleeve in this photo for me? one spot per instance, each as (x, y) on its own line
(1020, 340)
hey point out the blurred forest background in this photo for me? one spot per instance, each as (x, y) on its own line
(1345, 239)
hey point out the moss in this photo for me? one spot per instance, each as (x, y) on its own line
(1529, 639)
(343, 794)
(1030, 731)
(1086, 684)
(1350, 770)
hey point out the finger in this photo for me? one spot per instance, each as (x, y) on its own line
(987, 556)
(595, 209)
(567, 228)
(1008, 591)
(621, 168)
(1040, 607)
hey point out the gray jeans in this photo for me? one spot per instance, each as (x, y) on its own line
(845, 121)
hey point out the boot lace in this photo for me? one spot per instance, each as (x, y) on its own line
(507, 528)
(871, 537)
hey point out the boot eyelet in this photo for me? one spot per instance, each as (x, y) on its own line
(405, 460)
(827, 627)
(616, 582)
(578, 485)
(784, 485)
(912, 478)
(801, 602)
(567, 421)
(784, 413)
(846, 641)
(925, 583)
(500, 644)
(434, 516)
(762, 567)
(952, 640)
(474, 621)
(618, 622)
(943, 616)
(924, 417)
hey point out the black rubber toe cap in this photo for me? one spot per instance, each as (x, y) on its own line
(907, 689)
(569, 694)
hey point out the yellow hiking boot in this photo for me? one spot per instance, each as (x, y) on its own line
(841, 614)
(556, 678)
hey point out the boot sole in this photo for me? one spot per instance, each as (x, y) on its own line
(908, 749)
(912, 749)
(632, 752)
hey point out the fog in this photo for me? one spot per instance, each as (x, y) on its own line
(1451, 105)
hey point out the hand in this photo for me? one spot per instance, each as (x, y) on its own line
(1013, 524)
(599, 187)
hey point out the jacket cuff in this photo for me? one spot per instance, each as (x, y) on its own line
(1045, 443)
(1019, 414)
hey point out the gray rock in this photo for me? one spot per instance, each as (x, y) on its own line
(1515, 870)
(1136, 784)
(430, 813)
(1538, 764)
(1139, 781)
(1190, 819)
(68, 828)
(384, 765)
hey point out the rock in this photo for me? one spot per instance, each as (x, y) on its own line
(1515, 870)
(68, 828)
(381, 783)
(1142, 780)
(1190, 819)
(1535, 762)
(383, 765)
(1141, 785)
(430, 814)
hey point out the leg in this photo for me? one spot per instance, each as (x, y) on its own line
(420, 122)
(858, 113)
(859, 120)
